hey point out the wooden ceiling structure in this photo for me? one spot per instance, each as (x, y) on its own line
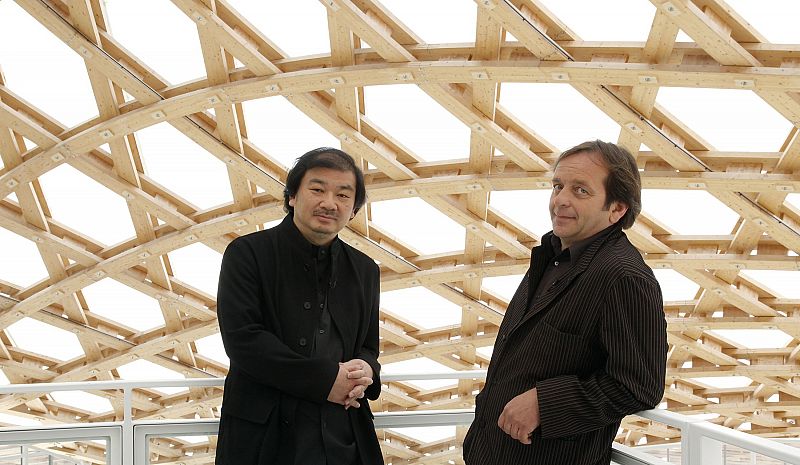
(620, 79)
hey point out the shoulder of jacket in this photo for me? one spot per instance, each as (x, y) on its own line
(358, 257)
(621, 257)
(632, 265)
(255, 239)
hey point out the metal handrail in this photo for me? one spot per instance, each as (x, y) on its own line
(695, 433)
(111, 432)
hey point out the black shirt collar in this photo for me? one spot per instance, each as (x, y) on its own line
(574, 252)
(306, 248)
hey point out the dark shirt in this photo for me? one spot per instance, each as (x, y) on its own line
(324, 432)
(562, 261)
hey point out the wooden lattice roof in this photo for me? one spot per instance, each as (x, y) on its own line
(517, 43)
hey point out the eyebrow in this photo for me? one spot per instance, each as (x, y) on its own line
(341, 186)
(578, 181)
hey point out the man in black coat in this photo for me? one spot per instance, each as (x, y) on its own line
(583, 341)
(298, 314)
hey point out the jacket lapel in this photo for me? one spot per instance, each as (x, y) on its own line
(545, 300)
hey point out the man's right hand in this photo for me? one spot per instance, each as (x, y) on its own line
(343, 386)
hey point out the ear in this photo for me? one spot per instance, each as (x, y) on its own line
(616, 211)
(292, 200)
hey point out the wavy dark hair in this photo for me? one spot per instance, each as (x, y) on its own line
(623, 183)
(323, 157)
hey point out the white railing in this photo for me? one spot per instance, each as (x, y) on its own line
(127, 441)
(111, 433)
(701, 440)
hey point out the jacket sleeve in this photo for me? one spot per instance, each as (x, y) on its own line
(633, 333)
(370, 350)
(251, 347)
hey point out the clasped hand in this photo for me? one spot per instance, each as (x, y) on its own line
(352, 380)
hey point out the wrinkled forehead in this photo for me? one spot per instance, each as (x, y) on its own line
(330, 177)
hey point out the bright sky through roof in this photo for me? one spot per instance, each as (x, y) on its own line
(177, 163)
(57, 343)
(503, 286)
(660, 204)
(776, 19)
(118, 302)
(716, 116)
(556, 112)
(433, 135)
(620, 20)
(444, 21)
(531, 216)
(282, 131)
(300, 29)
(169, 42)
(429, 310)
(30, 66)
(21, 264)
(430, 231)
(75, 200)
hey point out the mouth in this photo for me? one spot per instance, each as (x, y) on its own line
(562, 218)
(325, 216)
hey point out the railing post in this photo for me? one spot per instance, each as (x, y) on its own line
(127, 426)
(687, 444)
(697, 449)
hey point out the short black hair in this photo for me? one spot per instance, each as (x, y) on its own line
(323, 157)
(623, 183)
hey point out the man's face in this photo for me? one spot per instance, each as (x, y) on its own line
(324, 203)
(577, 203)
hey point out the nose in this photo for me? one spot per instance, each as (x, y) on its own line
(560, 197)
(328, 201)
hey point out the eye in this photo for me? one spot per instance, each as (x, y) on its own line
(581, 191)
(557, 187)
(344, 196)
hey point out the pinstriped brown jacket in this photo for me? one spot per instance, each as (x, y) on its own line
(595, 348)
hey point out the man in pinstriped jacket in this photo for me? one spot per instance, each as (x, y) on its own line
(583, 341)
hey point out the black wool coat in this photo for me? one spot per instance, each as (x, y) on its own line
(594, 345)
(267, 306)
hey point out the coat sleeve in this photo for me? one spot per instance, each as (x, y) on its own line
(370, 350)
(633, 333)
(250, 345)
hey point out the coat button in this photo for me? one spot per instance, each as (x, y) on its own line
(306, 305)
(302, 342)
(322, 331)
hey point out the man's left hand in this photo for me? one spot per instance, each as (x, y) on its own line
(360, 370)
(521, 416)
(357, 368)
